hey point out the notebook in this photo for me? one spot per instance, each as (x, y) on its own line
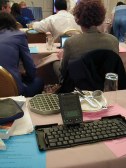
(62, 40)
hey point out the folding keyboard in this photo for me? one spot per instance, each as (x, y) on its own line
(61, 136)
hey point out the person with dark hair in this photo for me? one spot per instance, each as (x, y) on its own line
(60, 22)
(16, 12)
(5, 6)
(120, 3)
(113, 10)
(13, 49)
(60, 5)
(119, 22)
(88, 14)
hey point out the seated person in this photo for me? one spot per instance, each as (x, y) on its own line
(5, 6)
(88, 14)
(119, 22)
(13, 49)
(16, 12)
(60, 22)
(25, 12)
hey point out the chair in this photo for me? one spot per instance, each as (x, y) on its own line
(88, 71)
(72, 32)
(69, 32)
(35, 37)
(8, 85)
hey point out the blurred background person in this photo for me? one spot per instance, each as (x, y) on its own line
(113, 10)
(13, 49)
(16, 12)
(25, 12)
(5, 6)
(112, 14)
(119, 22)
(60, 22)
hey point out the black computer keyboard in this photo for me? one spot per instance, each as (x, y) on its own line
(60, 136)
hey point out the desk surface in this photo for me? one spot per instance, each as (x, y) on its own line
(85, 156)
(42, 49)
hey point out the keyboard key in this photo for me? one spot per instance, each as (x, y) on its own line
(71, 141)
(65, 143)
(86, 139)
(52, 144)
(53, 140)
(59, 143)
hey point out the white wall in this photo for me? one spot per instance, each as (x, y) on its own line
(109, 4)
(47, 5)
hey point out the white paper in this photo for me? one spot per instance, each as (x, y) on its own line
(23, 125)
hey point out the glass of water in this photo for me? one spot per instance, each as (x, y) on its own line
(111, 86)
(49, 43)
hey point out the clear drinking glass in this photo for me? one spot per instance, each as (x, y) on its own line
(49, 43)
(111, 84)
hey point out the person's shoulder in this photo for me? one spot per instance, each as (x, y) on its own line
(110, 36)
(110, 39)
(19, 35)
(18, 32)
(74, 39)
(120, 7)
(49, 17)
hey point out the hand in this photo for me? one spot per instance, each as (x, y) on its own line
(60, 54)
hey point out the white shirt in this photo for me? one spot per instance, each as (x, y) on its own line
(57, 24)
(71, 4)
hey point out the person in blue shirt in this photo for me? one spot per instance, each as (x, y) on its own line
(26, 13)
(16, 12)
(119, 22)
(13, 50)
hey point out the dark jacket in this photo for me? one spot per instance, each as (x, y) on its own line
(13, 49)
(88, 71)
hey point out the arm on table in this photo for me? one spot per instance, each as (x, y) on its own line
(47, 60)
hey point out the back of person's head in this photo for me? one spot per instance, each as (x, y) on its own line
(60, 5)
(119, 3)
(7, 21)
(3, 3)
(23, 4)
(89, 13)
(4, 6)
(15, 9)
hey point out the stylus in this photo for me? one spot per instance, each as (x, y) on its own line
(85, 97)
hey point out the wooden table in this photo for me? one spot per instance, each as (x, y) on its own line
(42, 51)
(122, 53)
